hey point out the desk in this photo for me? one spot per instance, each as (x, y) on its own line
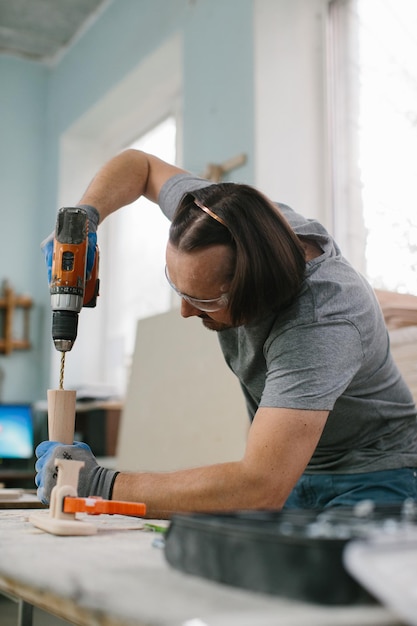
(24, 499)
(102, 440)
(23, 478)
(118, 578)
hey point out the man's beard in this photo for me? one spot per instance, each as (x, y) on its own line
(211, 324)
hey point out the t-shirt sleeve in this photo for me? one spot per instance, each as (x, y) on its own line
(310, 366)
(175, 188)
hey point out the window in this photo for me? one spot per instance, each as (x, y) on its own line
(137, 239)
(388, 140)
(373, 78)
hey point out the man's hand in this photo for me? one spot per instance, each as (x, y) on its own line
(93, 480)
(47, 245)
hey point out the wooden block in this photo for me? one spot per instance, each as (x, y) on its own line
(56, 521)
(61, 415)
(63, 527)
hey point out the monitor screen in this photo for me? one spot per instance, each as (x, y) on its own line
(16, 431)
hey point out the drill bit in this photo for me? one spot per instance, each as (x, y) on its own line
(61, 371)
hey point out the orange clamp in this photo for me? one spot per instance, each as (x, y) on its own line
(95, 505)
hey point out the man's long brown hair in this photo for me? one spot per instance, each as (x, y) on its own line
(269, 258)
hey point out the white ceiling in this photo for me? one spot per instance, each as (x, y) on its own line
(42, 30)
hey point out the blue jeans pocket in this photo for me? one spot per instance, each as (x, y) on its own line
(382, 487)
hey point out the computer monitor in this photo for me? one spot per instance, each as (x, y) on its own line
(16, 432)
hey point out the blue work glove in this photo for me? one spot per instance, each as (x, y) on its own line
(93, 480)
(47, 245)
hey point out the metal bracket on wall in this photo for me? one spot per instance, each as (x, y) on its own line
(216, 171)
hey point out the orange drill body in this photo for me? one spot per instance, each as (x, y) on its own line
(69, 288)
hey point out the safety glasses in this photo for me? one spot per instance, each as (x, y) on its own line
(208, 306)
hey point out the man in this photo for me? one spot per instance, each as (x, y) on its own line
(333, 422)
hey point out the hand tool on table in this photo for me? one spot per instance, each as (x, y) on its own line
(94, 505)
(61, 517)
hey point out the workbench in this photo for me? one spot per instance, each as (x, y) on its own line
(119, 577)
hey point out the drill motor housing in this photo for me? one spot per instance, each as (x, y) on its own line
(70, 289)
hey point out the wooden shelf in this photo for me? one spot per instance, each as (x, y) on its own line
(9, 302)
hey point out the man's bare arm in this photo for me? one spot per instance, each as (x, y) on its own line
(280, 444)
(125, 178)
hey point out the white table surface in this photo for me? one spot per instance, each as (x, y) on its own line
(118, 578)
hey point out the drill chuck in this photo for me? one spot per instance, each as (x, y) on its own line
(64, 329)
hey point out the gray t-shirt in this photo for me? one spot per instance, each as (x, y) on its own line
(328, 351)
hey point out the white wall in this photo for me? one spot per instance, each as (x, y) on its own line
(290, 104)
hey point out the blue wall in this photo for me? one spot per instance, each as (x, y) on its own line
(23, 97)
(41, 102)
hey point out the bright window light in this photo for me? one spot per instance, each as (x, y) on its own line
(137, 238)
(388, 140)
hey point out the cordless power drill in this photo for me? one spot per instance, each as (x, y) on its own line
(70, 289)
